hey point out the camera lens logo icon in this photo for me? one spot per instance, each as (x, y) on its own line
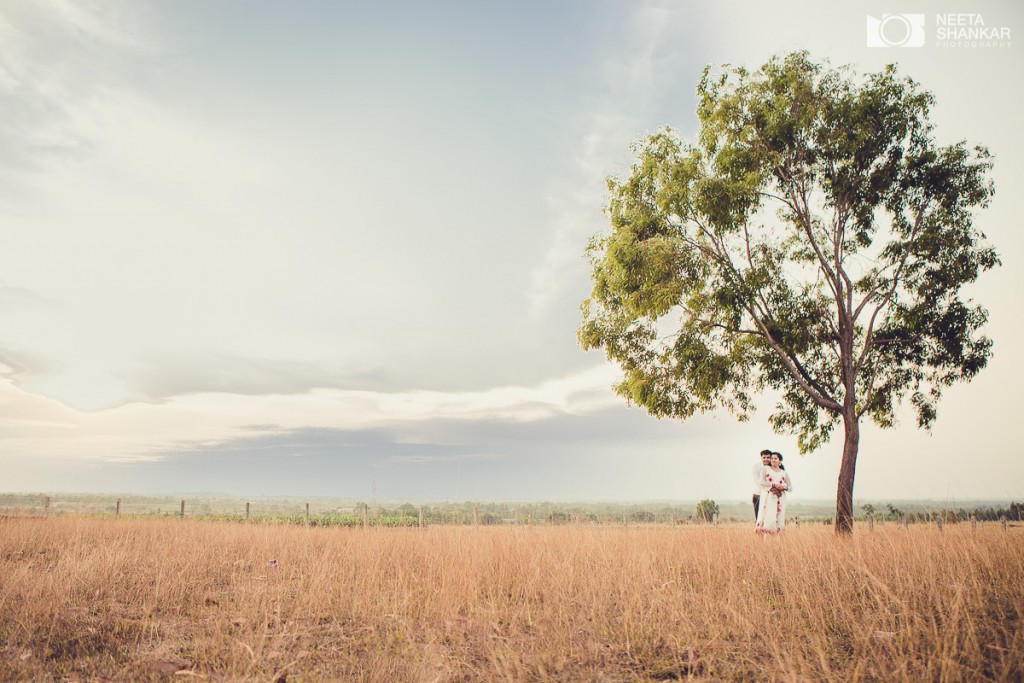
(896, 30)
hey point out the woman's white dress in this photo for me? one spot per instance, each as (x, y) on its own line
(771, 513)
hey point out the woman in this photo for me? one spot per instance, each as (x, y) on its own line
(771, 515)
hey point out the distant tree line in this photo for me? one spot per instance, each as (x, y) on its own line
(1013, 512)
(336, 512)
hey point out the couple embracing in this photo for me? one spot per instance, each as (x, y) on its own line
(771, 482)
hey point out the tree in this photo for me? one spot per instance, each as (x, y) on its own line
(813, 242)
(706, 510)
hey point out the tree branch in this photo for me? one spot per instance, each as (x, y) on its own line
(812, 388)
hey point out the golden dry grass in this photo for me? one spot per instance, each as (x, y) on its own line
(135, 600)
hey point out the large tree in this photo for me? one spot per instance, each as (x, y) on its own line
(812, 243)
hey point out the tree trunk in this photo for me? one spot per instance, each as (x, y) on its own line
(844, 493)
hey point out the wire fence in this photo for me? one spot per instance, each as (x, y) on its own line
(330, 513)
(323, 512)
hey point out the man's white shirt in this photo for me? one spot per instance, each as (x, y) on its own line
(759, 481)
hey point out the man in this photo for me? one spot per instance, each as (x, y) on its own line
(759, 487)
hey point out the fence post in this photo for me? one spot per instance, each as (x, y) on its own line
(366, 515)
(974, 523)
(307, 514)
(46, 506)
(938, 522)
(182, 515)
(871, 522)
(117, 509)
(1002, 521)
(903, 521)
(796, 520)
(421, 516)
(476, 515)
(716, 519)
(247, 512)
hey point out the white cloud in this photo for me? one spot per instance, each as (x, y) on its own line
(574, 201)
(55, 57)
(622, 105)
(35, 427)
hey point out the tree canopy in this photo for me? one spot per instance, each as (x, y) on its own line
(706, 511)
(814, 241)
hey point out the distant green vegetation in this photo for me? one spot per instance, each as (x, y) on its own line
(983, 513)
(349, 513)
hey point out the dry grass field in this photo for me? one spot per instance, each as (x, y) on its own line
(135, 600)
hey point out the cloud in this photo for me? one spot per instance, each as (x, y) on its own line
(221, 227)
(16, 298)
(444, 458)
(162, 378)
(56, 57)
(38, 427)
(621, 105)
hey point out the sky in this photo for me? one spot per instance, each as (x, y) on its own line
(337, 248)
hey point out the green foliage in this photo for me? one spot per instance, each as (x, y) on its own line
(559, 518)
(927, 513)
(343, 513)
(813, 240)
(706, 510)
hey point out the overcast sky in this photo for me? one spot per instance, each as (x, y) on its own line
(336, 248)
